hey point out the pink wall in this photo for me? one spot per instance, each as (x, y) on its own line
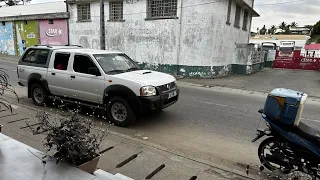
(54, 34)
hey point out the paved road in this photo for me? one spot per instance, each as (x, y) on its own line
(208, 124)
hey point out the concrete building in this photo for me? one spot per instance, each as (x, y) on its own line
(207, 38)
(22, 26)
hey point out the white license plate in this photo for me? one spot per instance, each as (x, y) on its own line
(172, 94)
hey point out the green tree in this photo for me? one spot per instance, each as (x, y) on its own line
(273, 29)
(315, 34)
(294, 24)
(283, 25)
(263, 30)
(316, 30)
(14, 2)
(309, 27)
(287, 29)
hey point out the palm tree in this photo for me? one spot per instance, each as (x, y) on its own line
(294, 24)
(283, 26)
(273, 29)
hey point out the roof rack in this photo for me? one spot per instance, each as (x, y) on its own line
(42, 45)
(73, 45)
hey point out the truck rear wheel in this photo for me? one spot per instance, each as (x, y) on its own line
(39, 95)
(120, 112)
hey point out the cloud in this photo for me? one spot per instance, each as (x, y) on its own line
(304, 12)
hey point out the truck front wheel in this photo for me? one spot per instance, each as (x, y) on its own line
(120, 112)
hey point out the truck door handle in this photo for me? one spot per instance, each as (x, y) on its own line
(73, 77)
(53, 73)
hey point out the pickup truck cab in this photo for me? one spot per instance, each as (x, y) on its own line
(108, 80)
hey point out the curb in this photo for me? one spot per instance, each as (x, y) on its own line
(9, 58)
(229, 89)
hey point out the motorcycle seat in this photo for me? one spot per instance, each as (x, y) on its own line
(308, 133)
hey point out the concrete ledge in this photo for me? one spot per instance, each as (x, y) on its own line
(103, 175)
(247, 69)
(5, 57)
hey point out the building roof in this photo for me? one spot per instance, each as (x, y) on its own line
(249, 8)
(312, 47)
(33, 9)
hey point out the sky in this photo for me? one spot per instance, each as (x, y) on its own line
(304, 12)
(273, 12)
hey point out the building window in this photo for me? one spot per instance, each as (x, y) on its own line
(116, 11)
(50, 21)
(83, 12)
(161, 9)
(245, 20)
(237, 17)
(229, 12)
(3, 23)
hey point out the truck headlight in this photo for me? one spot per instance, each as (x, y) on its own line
(148, 91)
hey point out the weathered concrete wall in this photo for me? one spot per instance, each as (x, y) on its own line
(85, 33)
(206, 39)
(197, 43)
(7, 39)
(248, 59)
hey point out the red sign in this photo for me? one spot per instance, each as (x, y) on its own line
(294, 60)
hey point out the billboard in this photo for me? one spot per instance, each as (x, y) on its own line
(53, 32)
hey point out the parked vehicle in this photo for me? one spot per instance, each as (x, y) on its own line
(287, 46)
(108, 80)
(291, 145)
(269, 46)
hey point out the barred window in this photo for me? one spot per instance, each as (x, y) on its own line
(229, 11)
(245, 20)
(83, 12)
(116, 10)
(238, 17)
(162, 9)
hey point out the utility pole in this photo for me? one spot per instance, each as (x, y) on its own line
(102, 26)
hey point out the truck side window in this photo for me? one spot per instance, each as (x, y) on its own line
(61, 61)
(36, 56)
(82, 64)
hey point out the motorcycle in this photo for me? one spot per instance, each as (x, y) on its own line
(289, 147)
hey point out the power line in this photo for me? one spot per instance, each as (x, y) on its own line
(288, 2)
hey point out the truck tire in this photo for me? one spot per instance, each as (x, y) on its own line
(119, 111)
(39, 95)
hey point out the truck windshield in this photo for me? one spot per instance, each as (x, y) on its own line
(116, 63)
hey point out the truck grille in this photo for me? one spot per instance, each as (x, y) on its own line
(167, 87)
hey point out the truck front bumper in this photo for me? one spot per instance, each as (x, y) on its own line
(159, 102)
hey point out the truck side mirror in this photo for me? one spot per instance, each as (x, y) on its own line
(94, 71)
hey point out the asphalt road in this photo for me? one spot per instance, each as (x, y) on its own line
(208, 124)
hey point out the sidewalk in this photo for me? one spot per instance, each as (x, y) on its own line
(129, 156)
(267, 80)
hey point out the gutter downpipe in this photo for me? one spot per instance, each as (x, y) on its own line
(67, 8)
(179, 39)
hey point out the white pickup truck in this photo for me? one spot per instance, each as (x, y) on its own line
(109, 80)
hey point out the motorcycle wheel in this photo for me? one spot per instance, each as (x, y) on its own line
(274, 147)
